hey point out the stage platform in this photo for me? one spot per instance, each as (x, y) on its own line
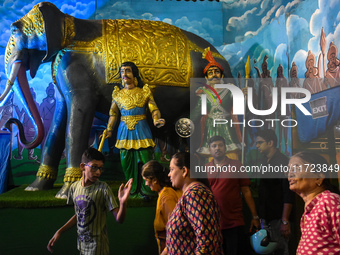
(29, 219)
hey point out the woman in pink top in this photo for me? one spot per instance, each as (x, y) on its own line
(320, 222)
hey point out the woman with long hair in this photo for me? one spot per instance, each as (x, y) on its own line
(156, 177)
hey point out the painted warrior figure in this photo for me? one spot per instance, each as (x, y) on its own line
(313, 82)
(333, 66)
(219, 106)
(265, 88)
(282, 82)
(134, 138)
(28, 130)
(46, 110)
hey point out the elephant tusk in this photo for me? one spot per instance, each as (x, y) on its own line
(14, 71)
(8, 88)
(10, 81)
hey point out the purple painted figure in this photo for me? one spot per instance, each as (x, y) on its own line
(46, 110)
(29, 130)
(6, 112)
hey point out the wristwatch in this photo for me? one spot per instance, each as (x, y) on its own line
(284, 222)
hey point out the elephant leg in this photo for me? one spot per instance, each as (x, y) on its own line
(81, 106)
(53, 149)
(76, 143)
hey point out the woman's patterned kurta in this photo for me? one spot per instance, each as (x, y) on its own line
(193, 227)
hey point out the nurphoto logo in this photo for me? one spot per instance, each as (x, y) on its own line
(239, 105)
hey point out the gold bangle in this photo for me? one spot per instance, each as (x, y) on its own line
(109, 129)
(9, 83)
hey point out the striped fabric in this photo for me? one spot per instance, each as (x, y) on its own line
(91, 206)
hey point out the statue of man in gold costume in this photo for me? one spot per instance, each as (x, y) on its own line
(134, 138)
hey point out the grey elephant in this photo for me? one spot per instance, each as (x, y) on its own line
(86, 56)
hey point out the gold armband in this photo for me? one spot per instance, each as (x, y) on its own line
(152, 106)
(109, 128)
(156, 115)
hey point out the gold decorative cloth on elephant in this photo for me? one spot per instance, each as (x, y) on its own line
(133, 131)
(161, 51)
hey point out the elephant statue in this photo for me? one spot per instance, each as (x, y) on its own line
(86, 56)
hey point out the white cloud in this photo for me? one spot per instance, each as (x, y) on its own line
(281, 52)
(297, 38)
(79, 10)
(240, 22)
(266, 18)
(245, 24)
(280, 11)
(147, 16)
(280, 57)
(231, 4)
(119, 10)
(167, 20)
(263, 7)
(290, 6)
(204, 28)
(325, 17)
(337, 35)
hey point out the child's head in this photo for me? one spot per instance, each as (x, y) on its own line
(155, 174)
(92, 164)
(92, 154)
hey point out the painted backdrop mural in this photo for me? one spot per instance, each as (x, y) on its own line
(284, 39)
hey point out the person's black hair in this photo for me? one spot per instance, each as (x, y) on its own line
(92, 154)
(215, 139)
(155, 170)
(135, 72)
(183, 160)
(316, 159)
(268, 135)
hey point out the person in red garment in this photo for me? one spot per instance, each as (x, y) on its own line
(320, 228)
(228, 192)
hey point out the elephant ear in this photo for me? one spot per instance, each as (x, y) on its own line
(54, 23)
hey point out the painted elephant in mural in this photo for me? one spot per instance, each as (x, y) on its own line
(86, 56)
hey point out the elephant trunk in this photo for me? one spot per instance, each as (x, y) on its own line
(30, 106)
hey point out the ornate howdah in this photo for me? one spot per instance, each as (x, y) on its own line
(152, 46)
